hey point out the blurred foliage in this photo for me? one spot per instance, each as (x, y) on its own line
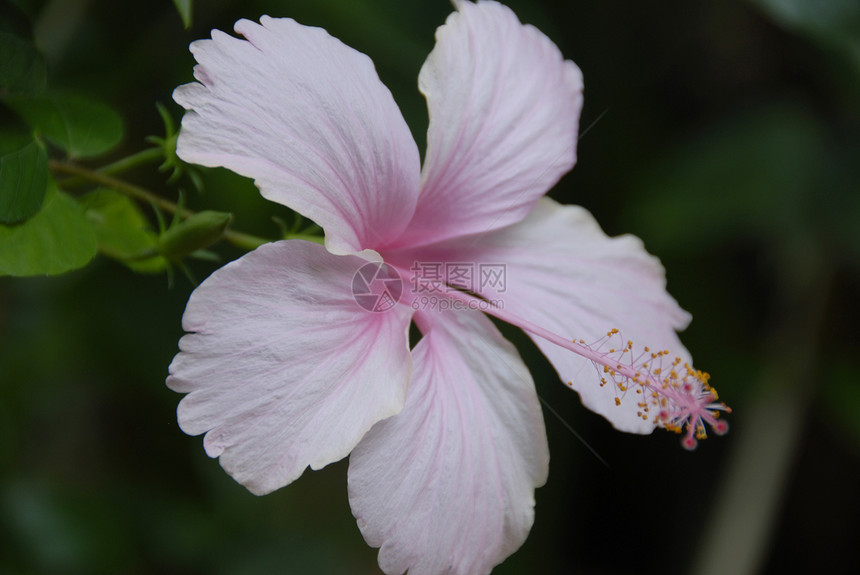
(834, 24)
(185, 8)
(726, 134)
(22, 69)
(23, 178)
(123, 231)
(722, 185)
(56, 240)
(80, 126)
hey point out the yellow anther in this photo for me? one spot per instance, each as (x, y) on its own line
(617, 401)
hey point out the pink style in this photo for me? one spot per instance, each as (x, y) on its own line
(284, 370)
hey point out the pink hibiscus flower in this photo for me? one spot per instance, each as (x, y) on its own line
(299, 354)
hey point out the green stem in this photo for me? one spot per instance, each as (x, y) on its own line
(147, 156)
(243, 240)
(122, 165)
(238, 239)
(109, 181)
(307, 237)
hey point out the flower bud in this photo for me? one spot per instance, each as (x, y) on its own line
(194, 233)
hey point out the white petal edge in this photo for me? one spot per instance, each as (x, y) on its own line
(447, 486)
(283, 369)
(308, 118)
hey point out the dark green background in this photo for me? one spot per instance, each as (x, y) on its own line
(728, 139)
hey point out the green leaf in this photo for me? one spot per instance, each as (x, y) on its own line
(56, 240)
(23, 181)
(81, 126)
(122, 230)
(22, 69)
(184, 7)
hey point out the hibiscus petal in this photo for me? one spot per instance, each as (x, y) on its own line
(308, 118)
(283, 369)
(564, 274)
(504, 117)
(447, 486)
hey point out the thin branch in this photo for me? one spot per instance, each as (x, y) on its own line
(140, 158)
(238, 239)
